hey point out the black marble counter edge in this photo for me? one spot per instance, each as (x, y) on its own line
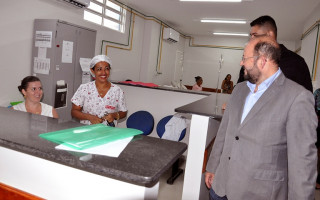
(167, 89)
(213, 116)
(117, 175)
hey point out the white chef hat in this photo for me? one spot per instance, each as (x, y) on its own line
(99, 58)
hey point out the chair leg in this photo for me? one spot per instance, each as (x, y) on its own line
(175, 172)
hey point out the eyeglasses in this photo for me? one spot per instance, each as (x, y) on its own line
(257, 35)
(244, 59)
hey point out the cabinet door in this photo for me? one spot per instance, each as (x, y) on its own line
(65, 48)
(86, 40)
(49, 26)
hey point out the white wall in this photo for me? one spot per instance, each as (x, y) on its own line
(313, 17)
(126, 63)
(305, 43)
(204, 61)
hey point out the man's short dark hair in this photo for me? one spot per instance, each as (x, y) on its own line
(267, 22)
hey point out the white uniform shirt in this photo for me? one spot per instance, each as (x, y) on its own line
(87, 97)
(46, 110)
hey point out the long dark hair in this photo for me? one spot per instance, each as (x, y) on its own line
(25, 82)
(227, 76)
(198, 78)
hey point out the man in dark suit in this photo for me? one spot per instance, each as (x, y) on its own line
(265, 145)
(291, 64)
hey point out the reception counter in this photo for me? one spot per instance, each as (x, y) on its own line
(160, 102)
(32, 164)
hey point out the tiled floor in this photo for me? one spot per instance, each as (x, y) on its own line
(171, 192)
(317, 195)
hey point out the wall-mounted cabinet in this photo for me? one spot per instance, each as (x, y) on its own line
(57, 49)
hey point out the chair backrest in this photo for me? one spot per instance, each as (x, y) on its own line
(161, 127)
(141, 120)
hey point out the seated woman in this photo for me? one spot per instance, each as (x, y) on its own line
(99, 101)
(31, 89)
(227, 85)
(198, 85)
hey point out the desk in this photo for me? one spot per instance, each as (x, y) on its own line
(205, 116)
(32, 164)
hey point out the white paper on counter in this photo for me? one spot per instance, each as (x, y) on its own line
(112, 149)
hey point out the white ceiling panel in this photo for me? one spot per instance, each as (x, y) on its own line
(290, 15)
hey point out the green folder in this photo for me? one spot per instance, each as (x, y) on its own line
(85, 137)
(15, 103)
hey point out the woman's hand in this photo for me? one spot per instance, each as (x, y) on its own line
(94, 119)
(109, 117)
(76, 112)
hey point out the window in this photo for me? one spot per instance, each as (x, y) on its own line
(106, 13)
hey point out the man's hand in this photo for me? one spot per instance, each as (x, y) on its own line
(209, 179)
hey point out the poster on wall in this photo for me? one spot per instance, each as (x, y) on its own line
(41, 65)
(43, 39)
(67, 50)
(85, 67)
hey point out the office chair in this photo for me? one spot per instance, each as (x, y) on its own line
(175, 167)
(141, 120)
(161, 127)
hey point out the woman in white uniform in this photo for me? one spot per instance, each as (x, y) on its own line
(31, 89)
(99, 101)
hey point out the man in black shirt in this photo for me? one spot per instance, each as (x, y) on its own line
(291, 64)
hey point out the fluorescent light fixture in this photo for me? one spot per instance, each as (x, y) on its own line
(223, 21)
(214, 0)
(232, 34)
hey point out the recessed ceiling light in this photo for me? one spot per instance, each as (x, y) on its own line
(214, 0)
(224, 21)
(232, 34)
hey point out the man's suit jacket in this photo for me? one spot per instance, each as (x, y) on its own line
(272, 153)
(295, 68)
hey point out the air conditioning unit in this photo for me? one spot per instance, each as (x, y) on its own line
(79, 3)
(171, 35)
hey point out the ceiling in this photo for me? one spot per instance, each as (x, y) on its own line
(290, 15)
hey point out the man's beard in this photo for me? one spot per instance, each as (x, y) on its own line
(252, 75)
